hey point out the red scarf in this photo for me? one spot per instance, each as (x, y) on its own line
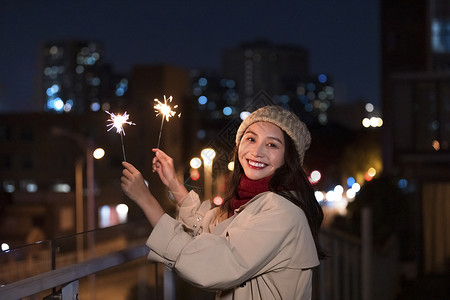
(248, 189)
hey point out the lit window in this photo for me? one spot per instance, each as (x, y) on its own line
(29, 186)
(440, 36)
(110, 215)
(8, 186)
(61, 188)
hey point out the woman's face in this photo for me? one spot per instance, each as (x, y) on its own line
(261, 150)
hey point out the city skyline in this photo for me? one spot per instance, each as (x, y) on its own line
(342, 38)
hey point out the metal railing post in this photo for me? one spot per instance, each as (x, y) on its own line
(70, 291)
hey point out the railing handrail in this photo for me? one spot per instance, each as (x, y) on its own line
(67, 274)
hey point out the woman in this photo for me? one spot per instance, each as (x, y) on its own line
(262, 243)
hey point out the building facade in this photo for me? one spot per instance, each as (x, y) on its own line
(416, 110)
(73, 77)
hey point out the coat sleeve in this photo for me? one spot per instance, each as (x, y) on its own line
(192, 212)
(222, 262)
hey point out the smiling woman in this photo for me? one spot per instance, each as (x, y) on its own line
(261, 242)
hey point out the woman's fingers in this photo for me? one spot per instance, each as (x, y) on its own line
(129, 167)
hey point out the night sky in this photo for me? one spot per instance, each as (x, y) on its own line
(342, 36)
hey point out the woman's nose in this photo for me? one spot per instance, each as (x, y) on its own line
(257, 150)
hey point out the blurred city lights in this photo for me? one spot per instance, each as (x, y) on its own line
(8, 186)
(315, 176)
(319, 196)
(201, 134)
(99, 153)
(95, 106)
(5, 247)
(218, 200)
(333, 196)
(122, 212)
(322, 78)
(231, 166)
(112, 215)
(194, 174)
(402, 183)
(372, 122)
(227, 111)
(195, 163)
(338, 189)
(372, 172)
(202, 100)
(208, 155)
(350, 181)
(31, 187)
(244, 115)
(436, 145)
(369, 107)
(62, 188)
(350, 194)
(202, 81)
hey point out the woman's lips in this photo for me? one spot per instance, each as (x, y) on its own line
(255, 164)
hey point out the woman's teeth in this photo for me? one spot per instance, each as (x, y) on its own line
(256, 164)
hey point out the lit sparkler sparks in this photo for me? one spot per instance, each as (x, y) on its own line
(117, 121)
(166, 111)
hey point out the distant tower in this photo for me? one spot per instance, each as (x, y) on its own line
(281, 71)
(263, 66)
(73, 78)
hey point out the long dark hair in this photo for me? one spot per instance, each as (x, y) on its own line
(291, 182)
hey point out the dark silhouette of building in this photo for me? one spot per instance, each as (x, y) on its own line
(73, 77)
(416, 110)
(264, 66)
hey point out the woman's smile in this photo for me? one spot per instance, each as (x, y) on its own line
(255, 164)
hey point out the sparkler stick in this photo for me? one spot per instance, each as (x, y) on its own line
(117, 122)
(166, 111)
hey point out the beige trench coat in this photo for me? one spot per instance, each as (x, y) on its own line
(265, 251)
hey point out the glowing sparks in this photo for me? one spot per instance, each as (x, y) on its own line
(164, 109)
(117, 122)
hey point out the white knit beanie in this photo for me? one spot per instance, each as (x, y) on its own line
(286, 120)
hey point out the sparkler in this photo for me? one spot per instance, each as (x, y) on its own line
(117, 122)
(166, 111)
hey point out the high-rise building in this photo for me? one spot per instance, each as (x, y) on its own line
(261, 65)
(281, 71)
(74, 78)
(416, 111)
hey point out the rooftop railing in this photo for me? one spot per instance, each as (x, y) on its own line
(111, 263)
